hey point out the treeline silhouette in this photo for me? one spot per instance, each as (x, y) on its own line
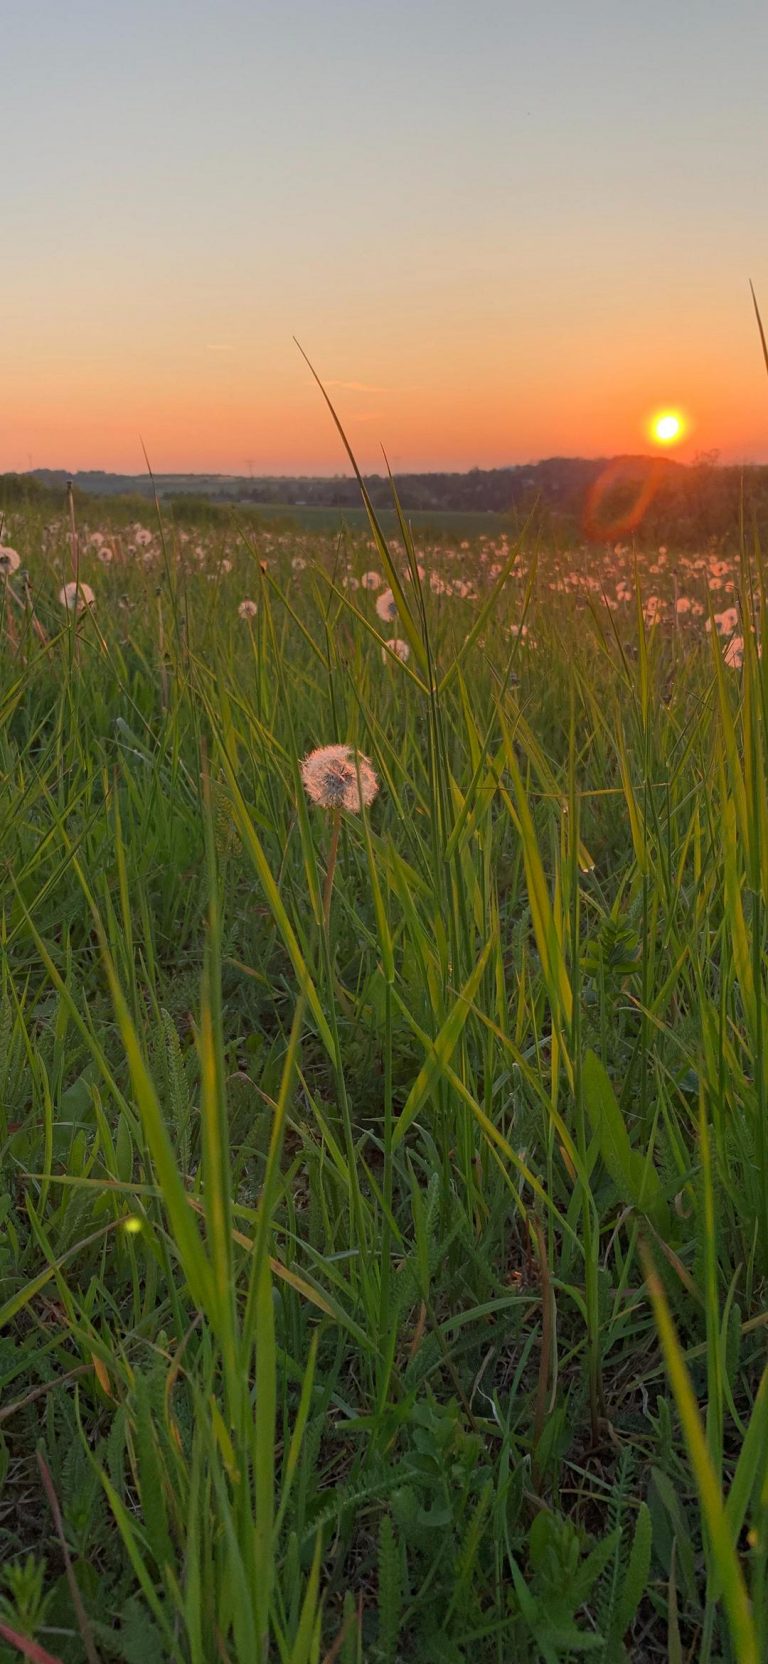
(654, 498)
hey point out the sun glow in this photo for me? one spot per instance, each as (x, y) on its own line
(667, 427)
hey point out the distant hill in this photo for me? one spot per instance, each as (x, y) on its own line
(557, 481)
(599, 499)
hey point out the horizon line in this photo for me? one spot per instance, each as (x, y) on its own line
(400, 473)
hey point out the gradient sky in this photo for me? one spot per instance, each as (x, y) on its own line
(501, 229)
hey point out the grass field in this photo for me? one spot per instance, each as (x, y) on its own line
(384, 1193)
(451, 523)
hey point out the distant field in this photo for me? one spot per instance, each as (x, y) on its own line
(195, 506)
(449, 522)
(385, 1186)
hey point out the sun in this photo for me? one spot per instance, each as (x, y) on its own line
(667, 427)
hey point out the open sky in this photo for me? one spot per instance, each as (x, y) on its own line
(501, 229)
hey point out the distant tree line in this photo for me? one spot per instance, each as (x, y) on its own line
(565, 498)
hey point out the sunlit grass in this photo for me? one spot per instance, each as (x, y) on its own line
(385, 1193)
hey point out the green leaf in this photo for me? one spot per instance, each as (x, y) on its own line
(443, 1049)
(139, 1640)
(725, 1560)
(151, 1479)
(635, 1579)
(634, 1176)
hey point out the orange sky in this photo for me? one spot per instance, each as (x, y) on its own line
(514, 241)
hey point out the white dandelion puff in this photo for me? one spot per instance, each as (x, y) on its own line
(338, 777)
(400, 649)
(75, 597)
(386, 605)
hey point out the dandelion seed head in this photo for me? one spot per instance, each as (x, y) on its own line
(247, 609)
(727, 621)
(75, 597)
(400, 649)
(653, 609)
(330, 778)
(386, 605)
(10, 561)
(371, 580)
(734, 653)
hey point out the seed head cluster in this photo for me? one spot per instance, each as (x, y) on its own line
(338, 777)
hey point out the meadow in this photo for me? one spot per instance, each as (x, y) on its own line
(384, 1183)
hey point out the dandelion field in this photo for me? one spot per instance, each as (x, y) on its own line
(384, 1185)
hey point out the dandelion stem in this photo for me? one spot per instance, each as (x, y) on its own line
(331, 867)
(10, 629)
(545, 1356)
(74, 547)
(74, 542)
